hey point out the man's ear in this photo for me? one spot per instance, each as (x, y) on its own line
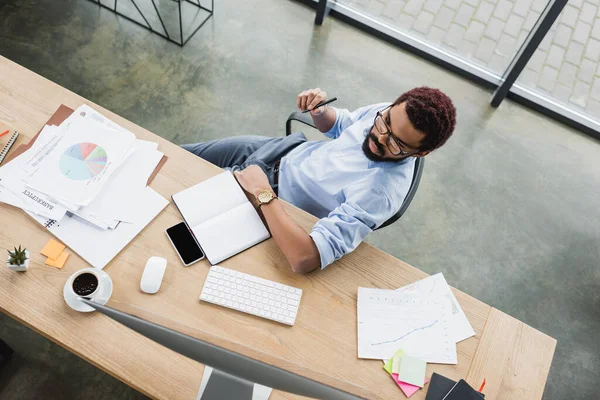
(422, 153)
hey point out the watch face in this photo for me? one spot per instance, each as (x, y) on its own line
(265, 196)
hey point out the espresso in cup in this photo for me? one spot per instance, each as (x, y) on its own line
(85, 284)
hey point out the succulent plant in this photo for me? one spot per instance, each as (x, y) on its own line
(17, 257)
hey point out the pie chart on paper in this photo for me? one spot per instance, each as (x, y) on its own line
(83, 161)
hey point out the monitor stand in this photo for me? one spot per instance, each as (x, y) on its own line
(218, 385)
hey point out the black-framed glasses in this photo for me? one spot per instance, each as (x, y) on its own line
(396, 146)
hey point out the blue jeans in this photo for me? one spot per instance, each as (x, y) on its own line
(237, 152)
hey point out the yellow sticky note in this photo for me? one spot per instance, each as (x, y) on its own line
(390, 363)
(60, 261)
(52, 249)
(396, 364)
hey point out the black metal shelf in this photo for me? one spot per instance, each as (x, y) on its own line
(181, 42)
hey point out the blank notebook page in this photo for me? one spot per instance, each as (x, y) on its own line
(210, 198)
(230, 233)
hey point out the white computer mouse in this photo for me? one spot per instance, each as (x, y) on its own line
(153, 274)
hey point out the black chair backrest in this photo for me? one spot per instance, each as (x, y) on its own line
(416, 179)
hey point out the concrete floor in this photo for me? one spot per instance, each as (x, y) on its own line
(508, 209)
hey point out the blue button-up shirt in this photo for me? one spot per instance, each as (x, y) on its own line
(335, 181)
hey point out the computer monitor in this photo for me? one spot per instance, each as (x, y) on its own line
(234, 374)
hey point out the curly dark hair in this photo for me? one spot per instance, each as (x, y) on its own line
(431, 112)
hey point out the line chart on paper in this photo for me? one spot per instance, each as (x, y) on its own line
(420, 325)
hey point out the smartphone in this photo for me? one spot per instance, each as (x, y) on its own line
(185, 243)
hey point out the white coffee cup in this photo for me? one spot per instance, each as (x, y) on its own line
(86, 283)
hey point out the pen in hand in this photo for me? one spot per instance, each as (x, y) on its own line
(321, 104)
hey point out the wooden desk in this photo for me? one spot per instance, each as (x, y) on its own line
(513, 357)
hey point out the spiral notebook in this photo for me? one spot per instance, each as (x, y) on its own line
(8, 138)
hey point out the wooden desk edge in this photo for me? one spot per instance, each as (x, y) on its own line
(506, 340)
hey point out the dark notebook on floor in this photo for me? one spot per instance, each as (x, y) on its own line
(442, 388)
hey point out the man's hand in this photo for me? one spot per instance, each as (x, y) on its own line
(253, 179)
(308, 99)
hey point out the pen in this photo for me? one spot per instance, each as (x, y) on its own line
(321, 104)
(482, 386)
(4, 133)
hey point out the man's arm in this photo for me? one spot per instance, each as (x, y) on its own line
(295, 243)
(323, 117)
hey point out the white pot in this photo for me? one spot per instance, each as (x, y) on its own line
(19, 268)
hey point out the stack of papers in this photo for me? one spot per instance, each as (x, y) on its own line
(409, 327)
(436, 285)
(424, 319)
(90, 175)
(421, 326)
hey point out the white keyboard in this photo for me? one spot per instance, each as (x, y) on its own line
(252, 295)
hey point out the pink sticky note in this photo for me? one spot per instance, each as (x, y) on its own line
(407, 388)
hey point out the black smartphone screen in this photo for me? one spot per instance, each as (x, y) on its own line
(185, 243)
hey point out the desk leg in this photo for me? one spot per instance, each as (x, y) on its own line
(322, 12)
(5, 354)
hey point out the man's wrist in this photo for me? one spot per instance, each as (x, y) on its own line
(258, 191)
(265, 196)
(272, 201)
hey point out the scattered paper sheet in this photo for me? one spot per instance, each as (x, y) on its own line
(52, 249)
(97, 246)
(422, 327)
(69, 166)
(81, 161)
(121, 196)
(36, 152)
(11, 179)
(436, 285)
(8, 197)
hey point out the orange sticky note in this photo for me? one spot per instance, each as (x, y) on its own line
(52, 249)
(60, 261)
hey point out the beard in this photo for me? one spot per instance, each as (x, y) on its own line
(367, 150)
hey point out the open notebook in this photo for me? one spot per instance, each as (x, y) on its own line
(220, 216)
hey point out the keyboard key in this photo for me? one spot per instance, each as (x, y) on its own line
(293, 303)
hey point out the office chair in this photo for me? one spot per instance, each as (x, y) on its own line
(419, 164)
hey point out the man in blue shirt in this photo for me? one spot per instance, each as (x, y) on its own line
(353, 183)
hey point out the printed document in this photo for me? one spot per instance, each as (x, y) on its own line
(81, 161)
(421, 326)
(436, 285)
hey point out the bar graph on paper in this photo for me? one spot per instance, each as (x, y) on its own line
(420, 325)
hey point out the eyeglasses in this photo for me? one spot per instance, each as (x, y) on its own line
(396, 146)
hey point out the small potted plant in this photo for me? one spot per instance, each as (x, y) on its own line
(18, 260)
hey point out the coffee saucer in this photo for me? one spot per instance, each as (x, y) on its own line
(105, 288)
